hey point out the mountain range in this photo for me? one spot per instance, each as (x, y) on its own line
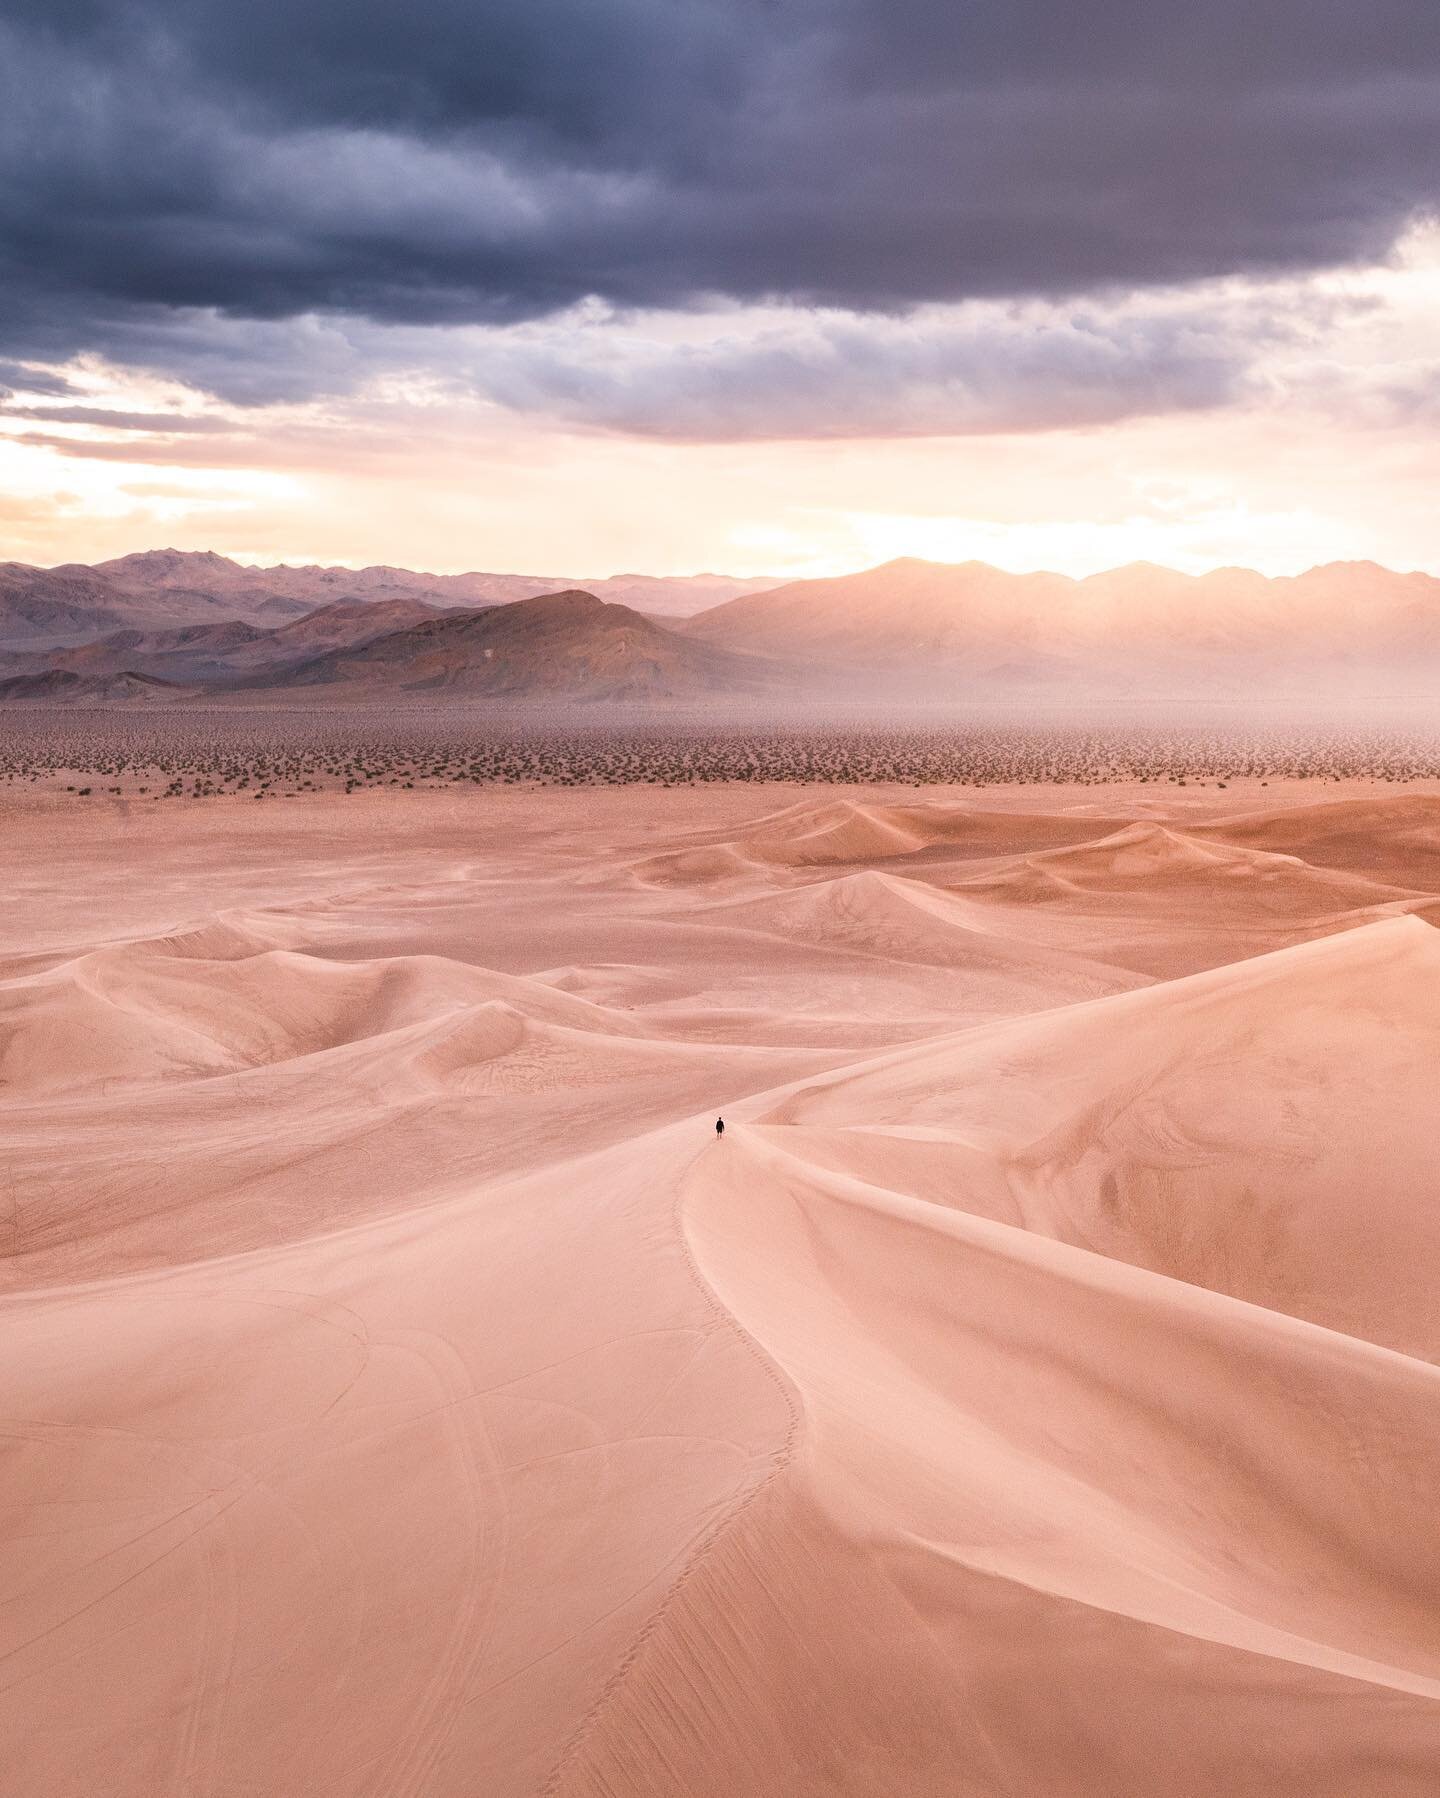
(166, 588)
(168, 624)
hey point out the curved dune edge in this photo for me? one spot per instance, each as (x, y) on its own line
(990, 1453)
(730, 1520)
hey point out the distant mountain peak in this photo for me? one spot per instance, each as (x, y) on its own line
(568, 600)
(169, 558)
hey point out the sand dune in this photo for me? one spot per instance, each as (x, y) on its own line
(1148, 858)
(848, 831)
(1215, 1129)
(695, 867)
(1036, 1391)
(1166, 901)
(879, 914)
(987, 1438)
(151, 1011)
(844, 831)
(988, 1458)
(1390, 837)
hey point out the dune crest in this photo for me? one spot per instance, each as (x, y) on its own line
(987, 1430)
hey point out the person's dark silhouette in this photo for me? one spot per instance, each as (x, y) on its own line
(719, 1126)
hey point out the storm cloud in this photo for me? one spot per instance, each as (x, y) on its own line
(443, 162)
(938, 371)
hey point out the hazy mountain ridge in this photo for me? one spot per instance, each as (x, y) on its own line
(317, 584)
(74, 604)
(930, 621)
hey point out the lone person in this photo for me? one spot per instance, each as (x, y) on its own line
(719, 1126)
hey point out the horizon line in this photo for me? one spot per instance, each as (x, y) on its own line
(778, 580)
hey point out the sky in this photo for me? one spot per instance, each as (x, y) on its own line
(764, 286)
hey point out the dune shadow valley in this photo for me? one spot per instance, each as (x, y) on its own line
(408, 1393)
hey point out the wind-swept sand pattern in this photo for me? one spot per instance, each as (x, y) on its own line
(1034, 1392)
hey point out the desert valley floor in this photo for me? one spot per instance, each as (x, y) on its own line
(1033, 1394)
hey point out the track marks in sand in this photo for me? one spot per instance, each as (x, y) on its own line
(726, 1523)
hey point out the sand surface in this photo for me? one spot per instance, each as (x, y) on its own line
(1034, 1394)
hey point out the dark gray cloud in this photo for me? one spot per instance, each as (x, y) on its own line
(432, 161)
(30, 379)
(162, 422)
(940, 371)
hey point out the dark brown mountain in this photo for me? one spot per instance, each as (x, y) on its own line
(224, 652)
(567, 645)
(344, 624)
(192, 651)
(63, 686)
